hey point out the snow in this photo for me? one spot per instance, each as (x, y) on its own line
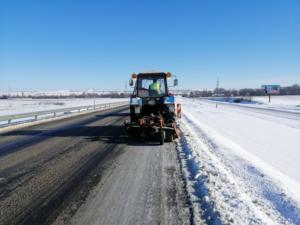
(277, 100)
(291, 102)
(247, 161)
(19, 106)
(283, 103)
(58, 93)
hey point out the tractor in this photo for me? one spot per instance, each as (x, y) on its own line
(152, 107)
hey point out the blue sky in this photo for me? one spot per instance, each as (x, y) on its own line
(52, 45)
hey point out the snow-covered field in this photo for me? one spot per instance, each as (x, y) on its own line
(243, 165)
(284, 100)
(285, 103)
(17, 106)
(291, 102)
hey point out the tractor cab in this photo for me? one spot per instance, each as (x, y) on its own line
(151, 85)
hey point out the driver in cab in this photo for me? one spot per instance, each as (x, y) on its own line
(154, 87)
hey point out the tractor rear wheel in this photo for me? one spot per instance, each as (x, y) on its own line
(169, 137)
(162, 136)
(142, 135)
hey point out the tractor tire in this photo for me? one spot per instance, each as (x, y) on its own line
(142, 135)
(162, 136)
(169, 137)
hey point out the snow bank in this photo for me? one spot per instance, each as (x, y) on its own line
(289, 102)
(286, 100)
(18, 106)
(252, 159)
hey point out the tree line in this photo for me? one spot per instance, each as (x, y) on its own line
(289, 90)
(83, 95)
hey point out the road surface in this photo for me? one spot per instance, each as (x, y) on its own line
(85, 170)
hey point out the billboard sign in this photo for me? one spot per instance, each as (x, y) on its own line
(271, 89)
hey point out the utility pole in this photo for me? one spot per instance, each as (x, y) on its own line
(9, 92)
(217, 86)
(94, 99)
(217, 89)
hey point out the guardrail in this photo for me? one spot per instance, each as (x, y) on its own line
(10, 120)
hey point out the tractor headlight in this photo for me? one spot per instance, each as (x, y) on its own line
(172, 108)
(136, 101)
(169, 100)
(137, 109)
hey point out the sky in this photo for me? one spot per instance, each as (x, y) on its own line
(79, 45)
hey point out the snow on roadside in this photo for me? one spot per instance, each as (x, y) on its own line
(280, 100)
(19, 106)
(230, 188)
(222, 198)
(283, 103)
(288, 102)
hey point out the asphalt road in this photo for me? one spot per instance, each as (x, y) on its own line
(86, 170)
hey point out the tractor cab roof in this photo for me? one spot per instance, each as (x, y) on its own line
(153, 74)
